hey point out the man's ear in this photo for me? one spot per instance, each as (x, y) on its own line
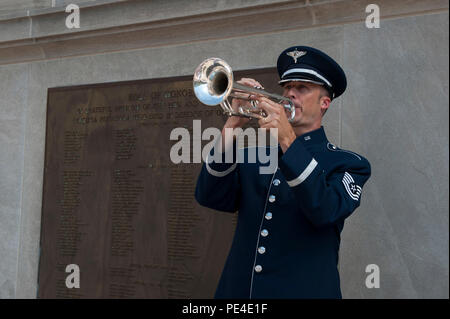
(324, 104)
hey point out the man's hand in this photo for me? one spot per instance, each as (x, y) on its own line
(238, 121)
(277, 118)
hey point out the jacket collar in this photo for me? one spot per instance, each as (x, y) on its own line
(315, 137)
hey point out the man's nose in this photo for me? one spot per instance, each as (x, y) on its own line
(291, 94)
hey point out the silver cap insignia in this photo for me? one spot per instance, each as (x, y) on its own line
(296, 54)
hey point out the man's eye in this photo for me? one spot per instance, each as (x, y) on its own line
(297, 87)
(302, 88)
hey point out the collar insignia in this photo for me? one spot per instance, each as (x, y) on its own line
(296, 54)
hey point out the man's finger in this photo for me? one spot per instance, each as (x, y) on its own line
(265, 121)
(249, 82)
(267, 107)
(270, 102)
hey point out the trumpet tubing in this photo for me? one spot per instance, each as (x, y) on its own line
(213, 85)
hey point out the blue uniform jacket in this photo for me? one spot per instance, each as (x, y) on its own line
(287, 237)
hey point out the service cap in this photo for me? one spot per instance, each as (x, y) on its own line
(302, 63)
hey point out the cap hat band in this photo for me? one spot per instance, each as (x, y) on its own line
(300, 80)
(307, 71)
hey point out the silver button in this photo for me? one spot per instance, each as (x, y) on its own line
(261, 250)
(264, 232)
(258, 268)
(276, 182)
(268, 216)
(271, 198)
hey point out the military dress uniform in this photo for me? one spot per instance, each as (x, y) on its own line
(287, 236)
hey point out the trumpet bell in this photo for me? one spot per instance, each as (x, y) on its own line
(213, 81)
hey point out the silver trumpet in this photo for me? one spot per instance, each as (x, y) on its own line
(213, 84)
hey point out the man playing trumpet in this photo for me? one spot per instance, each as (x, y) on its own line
(287, 238)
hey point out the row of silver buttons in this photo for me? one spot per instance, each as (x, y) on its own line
(265, 232)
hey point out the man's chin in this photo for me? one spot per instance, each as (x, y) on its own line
(296, 122)
(298, 115)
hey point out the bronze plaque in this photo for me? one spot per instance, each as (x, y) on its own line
(116, 206)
